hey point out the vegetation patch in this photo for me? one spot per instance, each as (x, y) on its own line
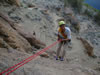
(77, 4)
(97, 18)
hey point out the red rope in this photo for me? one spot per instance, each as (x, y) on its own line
(27, 59)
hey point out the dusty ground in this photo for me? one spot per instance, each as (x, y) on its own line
(77, 62)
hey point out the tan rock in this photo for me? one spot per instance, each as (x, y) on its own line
(13, 39)
(20, 30)
(68, 11)
(16, 2)
(44, 55)
(88, 46)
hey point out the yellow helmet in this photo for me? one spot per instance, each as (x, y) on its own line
(61, 23)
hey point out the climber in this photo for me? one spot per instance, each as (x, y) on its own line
(64, 34)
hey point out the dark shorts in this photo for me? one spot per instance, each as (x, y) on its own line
(65, 42)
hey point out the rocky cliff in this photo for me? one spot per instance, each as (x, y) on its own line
(32, 25)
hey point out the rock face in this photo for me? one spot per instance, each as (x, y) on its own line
(39, 17)
(3, 44)
(68, 11)
(16, 2)
(13, 39)
(73, 21)
(27, 35)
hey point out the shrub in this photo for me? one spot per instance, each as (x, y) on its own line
(77, 4)
(97, 17)
(88, 13)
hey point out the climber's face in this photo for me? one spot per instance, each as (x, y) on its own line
(62, 27)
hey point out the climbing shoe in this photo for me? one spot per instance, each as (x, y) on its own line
(61, 59)
(56, 57)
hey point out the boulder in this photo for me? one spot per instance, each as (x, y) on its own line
(45, 55)
(74, 21)
(17, 2)
(88, 46)
(13, 39)
(68, 11)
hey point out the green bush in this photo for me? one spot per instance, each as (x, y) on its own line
(88, 13)
(97, 17)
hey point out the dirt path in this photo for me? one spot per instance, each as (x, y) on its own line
(71, 65)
